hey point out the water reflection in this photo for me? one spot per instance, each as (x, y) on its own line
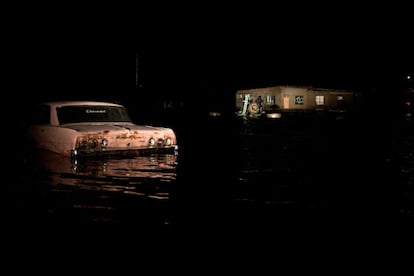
(106, 190)
(292, 167)
(152, 166)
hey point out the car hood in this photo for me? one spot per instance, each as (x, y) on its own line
(110, 127)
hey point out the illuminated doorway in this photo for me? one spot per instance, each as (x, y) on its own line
(286, 102)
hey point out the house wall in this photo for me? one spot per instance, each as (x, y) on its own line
(254, 93)
(298, 98)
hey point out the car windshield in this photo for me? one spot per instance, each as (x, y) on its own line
(92, 113)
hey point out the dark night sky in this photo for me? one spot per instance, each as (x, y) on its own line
(346, 47)
(352, 49)
(323, 62)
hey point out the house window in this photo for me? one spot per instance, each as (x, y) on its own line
(299, 100)
(320, 100)
(340, 98)
(270, 100)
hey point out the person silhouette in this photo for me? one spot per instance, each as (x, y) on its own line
(259, 102)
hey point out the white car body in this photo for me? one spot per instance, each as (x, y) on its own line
(89, 128)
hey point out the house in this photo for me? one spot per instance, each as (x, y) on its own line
(294, 98)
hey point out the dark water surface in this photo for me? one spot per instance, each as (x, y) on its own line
(233, 172)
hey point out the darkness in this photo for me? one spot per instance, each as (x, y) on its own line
(203, 64)
(197, 59)
(214, 52)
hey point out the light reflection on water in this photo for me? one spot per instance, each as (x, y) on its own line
(106, 190)
(291, 166)
(153, 166)
(349, 166)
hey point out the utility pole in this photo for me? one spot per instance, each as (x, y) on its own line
(137, 71)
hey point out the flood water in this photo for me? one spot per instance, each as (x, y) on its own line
(232, 172)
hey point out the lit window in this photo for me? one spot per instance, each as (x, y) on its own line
(270, 100)
(299, 100)
(320, 100)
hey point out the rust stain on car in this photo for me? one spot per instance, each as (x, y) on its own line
(126, 136)
(98, 127)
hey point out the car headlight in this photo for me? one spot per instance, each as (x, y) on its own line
(104, 143)
(151, 142)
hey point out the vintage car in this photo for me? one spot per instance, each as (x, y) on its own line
(90, 128)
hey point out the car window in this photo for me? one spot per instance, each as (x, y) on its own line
(81, 114)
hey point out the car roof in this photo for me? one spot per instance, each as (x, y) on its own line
(79, 103)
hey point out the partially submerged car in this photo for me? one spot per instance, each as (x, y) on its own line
(90, 128)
